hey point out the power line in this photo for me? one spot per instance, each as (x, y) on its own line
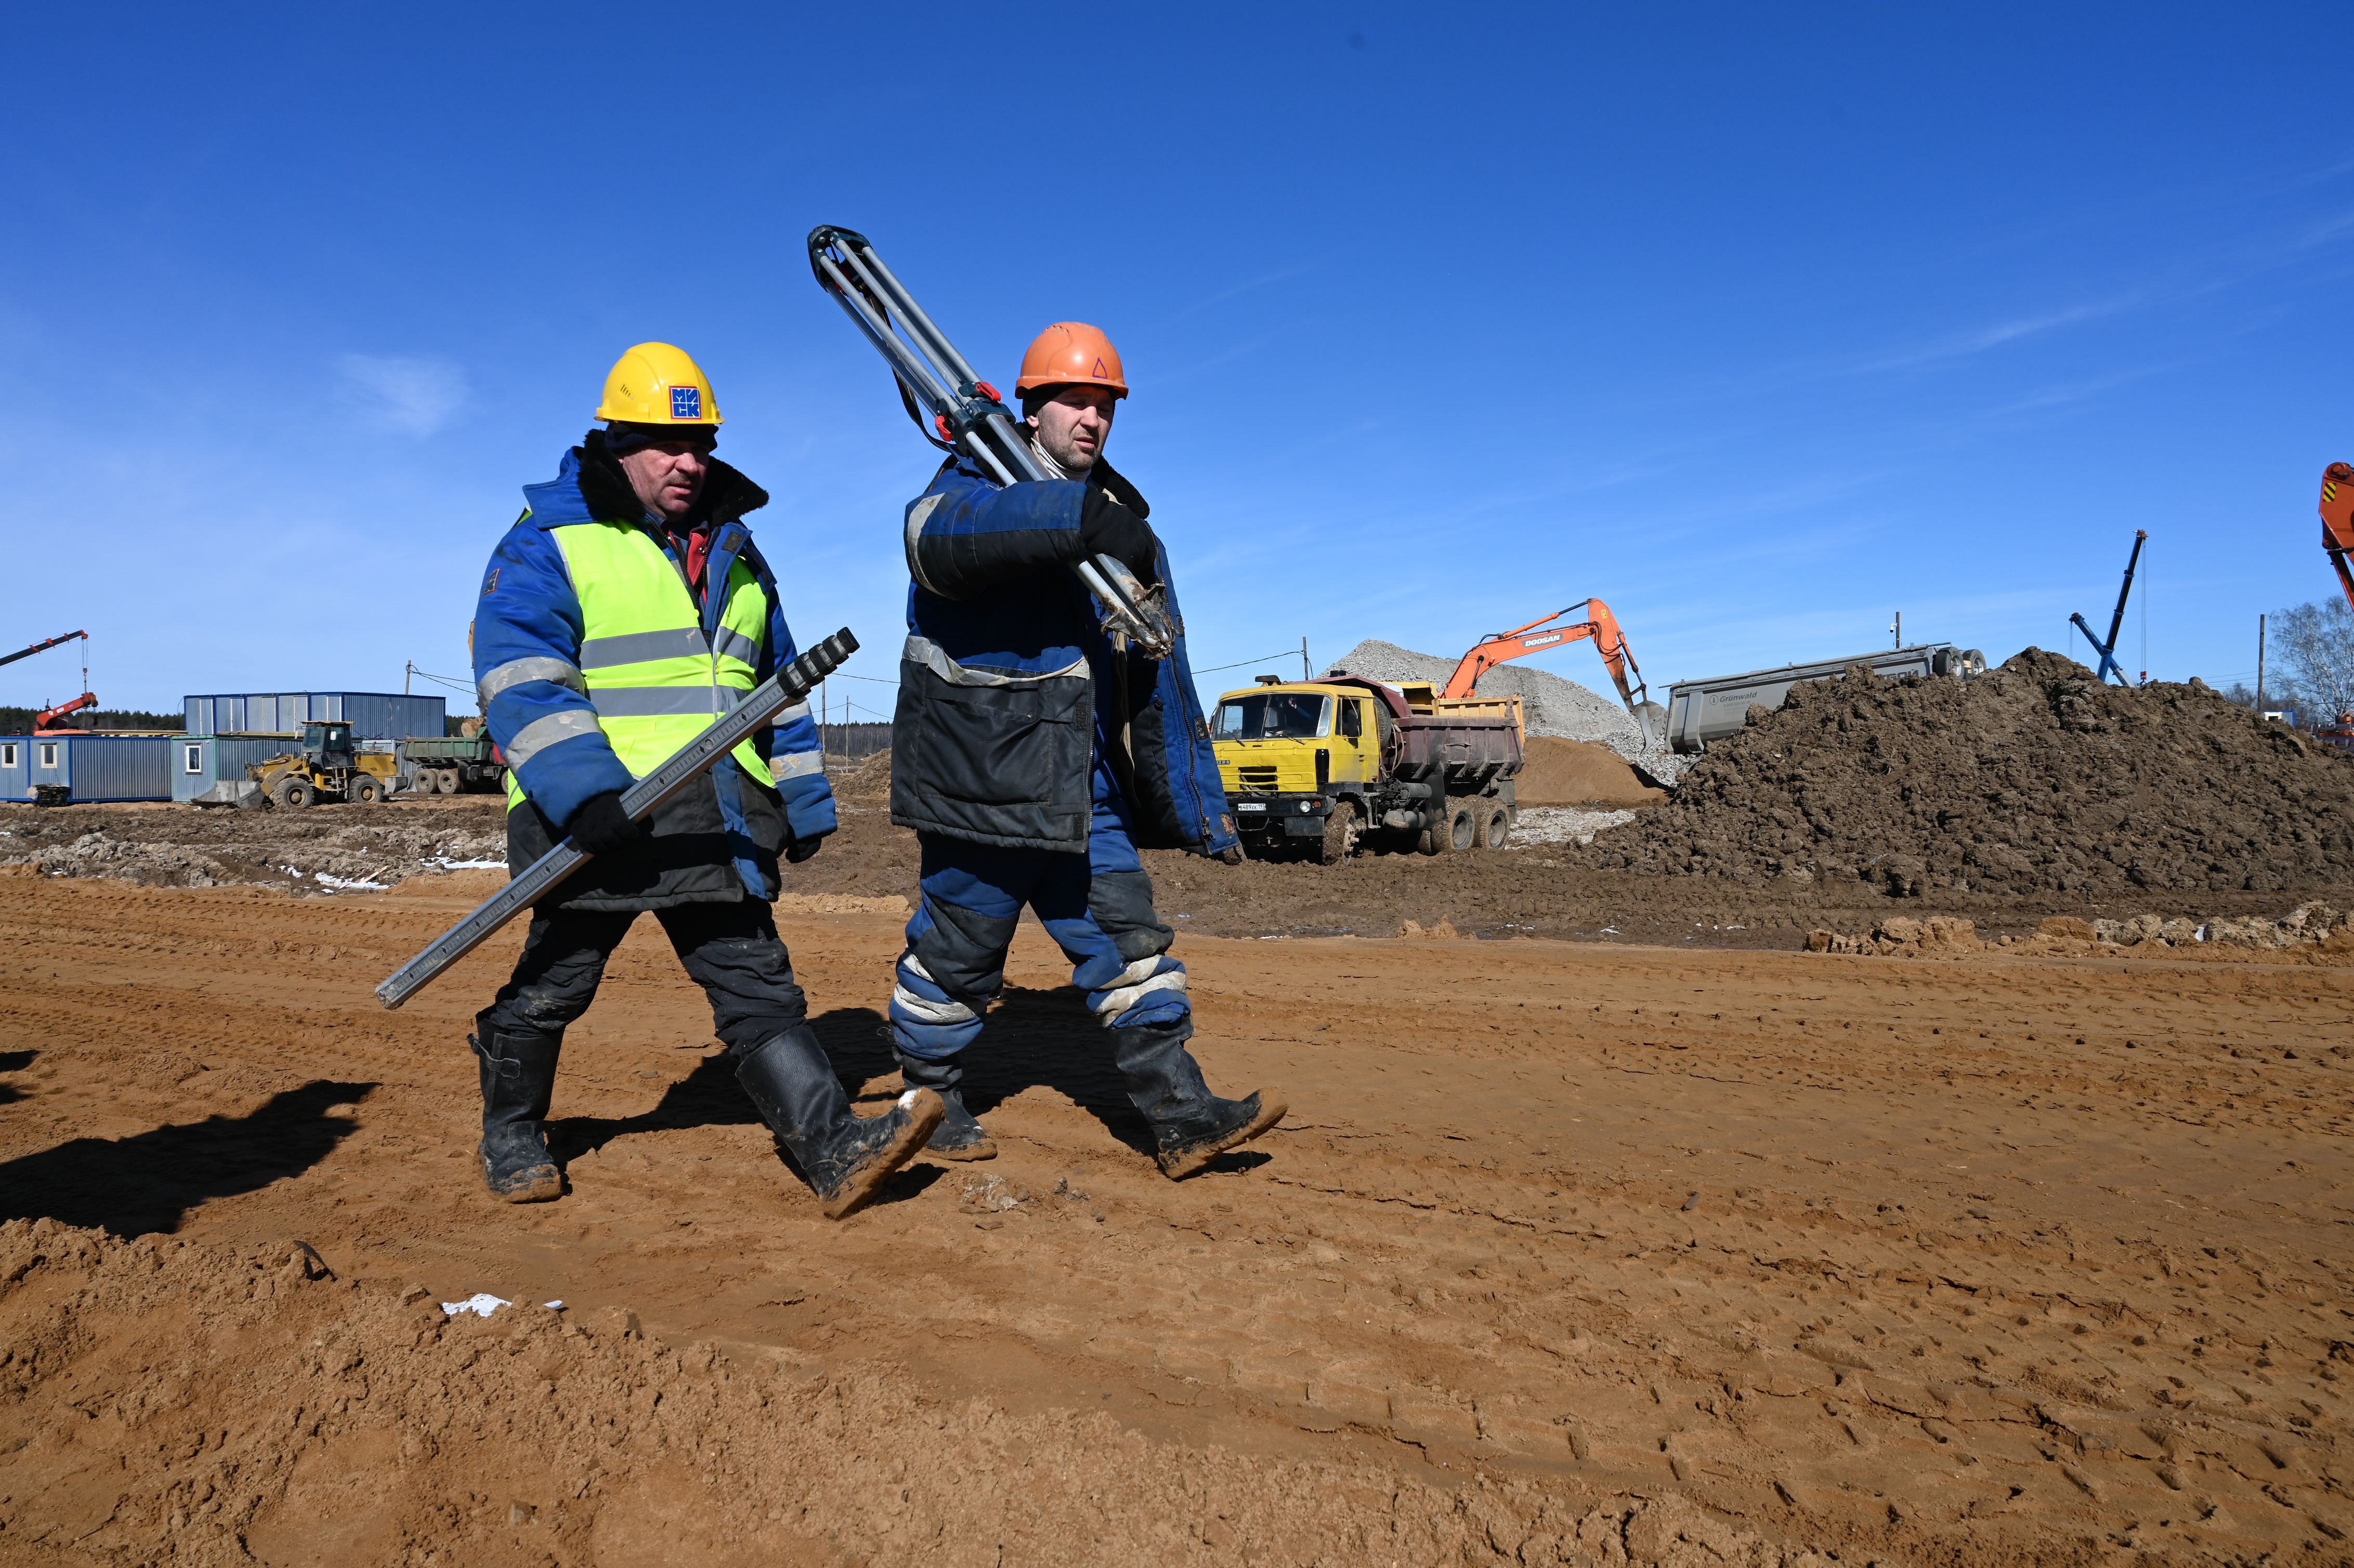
(1267, 659)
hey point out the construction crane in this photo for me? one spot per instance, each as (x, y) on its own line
(2337, 522)
(36, 648)
(2108, 651)
(45, 721)
(1556, 630)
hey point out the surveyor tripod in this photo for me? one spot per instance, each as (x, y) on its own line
(968, 413)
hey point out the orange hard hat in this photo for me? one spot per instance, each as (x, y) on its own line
(1068, 352)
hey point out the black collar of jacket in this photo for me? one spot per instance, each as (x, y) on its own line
(1115, 484)
(726, 495)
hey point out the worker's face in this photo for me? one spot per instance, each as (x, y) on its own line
(1073, 425)
(668, 475)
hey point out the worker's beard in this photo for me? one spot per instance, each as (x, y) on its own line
(1046, 458)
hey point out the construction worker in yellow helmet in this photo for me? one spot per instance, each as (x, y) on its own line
(626, 608)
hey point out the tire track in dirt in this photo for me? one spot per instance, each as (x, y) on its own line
(1987, 1259)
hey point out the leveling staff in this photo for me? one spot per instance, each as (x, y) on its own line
(625, 610)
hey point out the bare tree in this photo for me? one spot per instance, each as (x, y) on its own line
(2315, 645)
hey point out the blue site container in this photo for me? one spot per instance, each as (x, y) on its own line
(201, 761)
(94, 768)
(372, 715)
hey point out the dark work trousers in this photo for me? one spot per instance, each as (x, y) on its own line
(731, 951)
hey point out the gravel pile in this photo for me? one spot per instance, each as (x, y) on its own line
(2035, 778)
(1549, 704)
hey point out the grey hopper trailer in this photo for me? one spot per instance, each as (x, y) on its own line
(1699, 711)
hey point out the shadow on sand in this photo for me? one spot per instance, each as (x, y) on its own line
(1042, 1037)
(147, 1182)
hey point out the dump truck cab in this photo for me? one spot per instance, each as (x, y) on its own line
(1288, 751)
(1317, 765)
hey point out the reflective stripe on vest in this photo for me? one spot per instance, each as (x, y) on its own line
(656, 681)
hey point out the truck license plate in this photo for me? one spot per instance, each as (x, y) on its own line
(1250, 806)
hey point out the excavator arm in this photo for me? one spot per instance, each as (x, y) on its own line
(2337, 522)
(1557, 631)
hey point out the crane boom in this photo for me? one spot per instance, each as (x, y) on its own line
(36, 648)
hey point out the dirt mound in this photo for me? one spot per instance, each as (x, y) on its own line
(325, 849)
(2032, 778)
(1563, 772)
(207, 1403)
(865, 782)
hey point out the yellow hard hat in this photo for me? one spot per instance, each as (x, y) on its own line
(655, 384)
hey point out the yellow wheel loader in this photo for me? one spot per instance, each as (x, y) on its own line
(328, 767)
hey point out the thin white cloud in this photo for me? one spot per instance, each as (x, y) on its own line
(414, 396)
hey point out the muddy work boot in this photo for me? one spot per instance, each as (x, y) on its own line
(845, 1156)
(519, 1079)
(958, 1136)
(1191, 1125)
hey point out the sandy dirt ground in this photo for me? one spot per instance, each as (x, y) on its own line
(1567, 1254)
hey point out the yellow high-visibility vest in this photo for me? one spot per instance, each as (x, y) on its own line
(654, 679)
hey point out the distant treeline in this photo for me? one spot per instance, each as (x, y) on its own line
(19, 721)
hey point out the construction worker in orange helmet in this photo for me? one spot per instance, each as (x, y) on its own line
(1010, 812)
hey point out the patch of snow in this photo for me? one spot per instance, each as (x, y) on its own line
(482, 1304)
(1564, 824)
(446, 864)
(345, 884)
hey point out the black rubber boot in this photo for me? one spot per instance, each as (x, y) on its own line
(1190, 1125)
(958, 1136)
(518, 1079)
(844, 1155)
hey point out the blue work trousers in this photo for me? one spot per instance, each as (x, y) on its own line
(1097, 907)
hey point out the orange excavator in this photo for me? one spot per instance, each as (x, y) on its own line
(2338, 541)
(2337, 522)
(1556, 630)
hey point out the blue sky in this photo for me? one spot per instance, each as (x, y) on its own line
(1759, 327)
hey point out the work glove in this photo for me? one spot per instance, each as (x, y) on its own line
(600, 826)
(1107, 528)
(800, 850)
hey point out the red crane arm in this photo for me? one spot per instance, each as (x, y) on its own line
(2337, 522)
(1545, 632)
(47, 717)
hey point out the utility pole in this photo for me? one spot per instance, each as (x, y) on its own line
(408, 669)
(1305, 673)
(1898, 629)
(2260, 667)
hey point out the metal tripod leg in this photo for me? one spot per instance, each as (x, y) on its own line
(968, 411)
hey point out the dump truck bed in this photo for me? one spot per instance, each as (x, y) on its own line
(1699, 711)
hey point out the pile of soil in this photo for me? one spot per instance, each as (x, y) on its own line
(1562, 772)
(165, 1400)
(2033, 778)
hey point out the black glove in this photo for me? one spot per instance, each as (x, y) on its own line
(600, 827)
(1107, 528)
(800, 850)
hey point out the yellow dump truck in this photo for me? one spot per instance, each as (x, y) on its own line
(1317, 767)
